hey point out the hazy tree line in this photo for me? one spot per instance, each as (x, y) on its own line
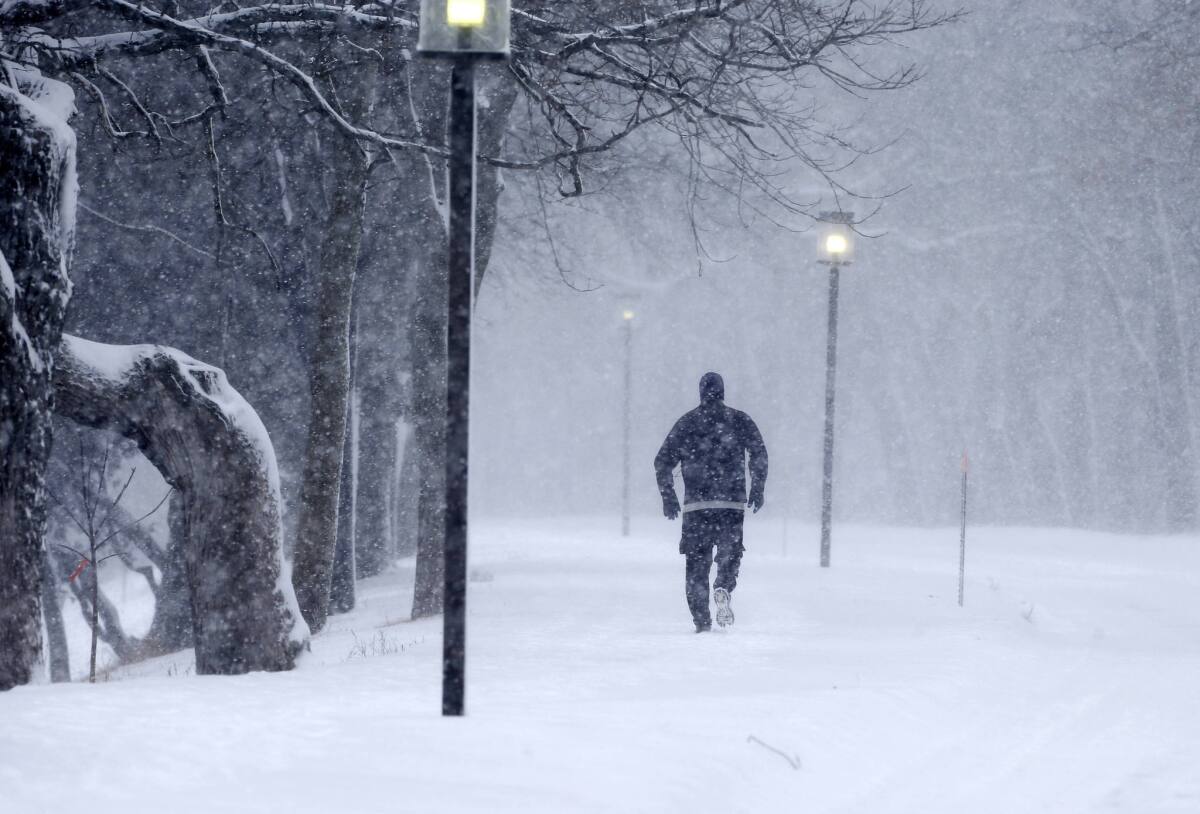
(1038, 297)
(261, 187)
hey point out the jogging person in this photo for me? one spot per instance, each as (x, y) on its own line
(712, 443)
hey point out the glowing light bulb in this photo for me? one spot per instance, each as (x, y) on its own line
(627, 314)
(466, 13)
(836, 244)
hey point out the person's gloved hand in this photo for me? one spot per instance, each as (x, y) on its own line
(756, 500)
(671, 507)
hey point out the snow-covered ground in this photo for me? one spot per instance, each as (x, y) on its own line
(1069, 683)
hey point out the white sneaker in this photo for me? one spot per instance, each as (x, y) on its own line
(724, 612)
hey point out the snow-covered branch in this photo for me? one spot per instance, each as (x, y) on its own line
(702, 63)
(258, 21)
(710, 70)
(210, 445)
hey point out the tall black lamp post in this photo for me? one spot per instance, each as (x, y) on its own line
(836, 249)
(626, 421)
(464, 32)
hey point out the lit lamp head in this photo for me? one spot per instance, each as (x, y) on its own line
(627, 315)
(457, 28)
(835, 234)
(466, 13)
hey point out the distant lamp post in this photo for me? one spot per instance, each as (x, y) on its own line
(463, 31)
(835, 249)
(626, 421)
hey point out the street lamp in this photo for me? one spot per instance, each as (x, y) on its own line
(626, 421)
(463, 31)
(835, 249)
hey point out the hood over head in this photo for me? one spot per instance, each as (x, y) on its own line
(712, 388)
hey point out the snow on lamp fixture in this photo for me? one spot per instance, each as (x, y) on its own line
(466, 13)
(457, 28)
(835, 234)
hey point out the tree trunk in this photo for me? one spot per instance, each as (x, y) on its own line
(329, 379)
(402, 208)
(405, 492)
(171, 628)
(93, 571)
(329, 384)
(341, 589)
(429, 352)
(500, 92)
(429, 416)
(56, 632)
(37, 184)
(380, 354)
(378, 415)
(210, 445)
(1176, 431)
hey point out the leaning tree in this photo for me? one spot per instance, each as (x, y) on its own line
(206, 440)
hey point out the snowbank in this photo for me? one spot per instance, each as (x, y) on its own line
(861, 688)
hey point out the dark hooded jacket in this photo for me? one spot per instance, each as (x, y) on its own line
(712, 442)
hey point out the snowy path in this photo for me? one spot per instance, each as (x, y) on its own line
(1067, 684)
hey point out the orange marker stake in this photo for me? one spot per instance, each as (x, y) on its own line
(78, 570)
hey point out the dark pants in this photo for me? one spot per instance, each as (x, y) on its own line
(704, 531)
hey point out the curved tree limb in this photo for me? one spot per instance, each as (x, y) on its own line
(210, 445)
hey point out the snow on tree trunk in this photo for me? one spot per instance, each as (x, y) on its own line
(37, 204)
(210, 445)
